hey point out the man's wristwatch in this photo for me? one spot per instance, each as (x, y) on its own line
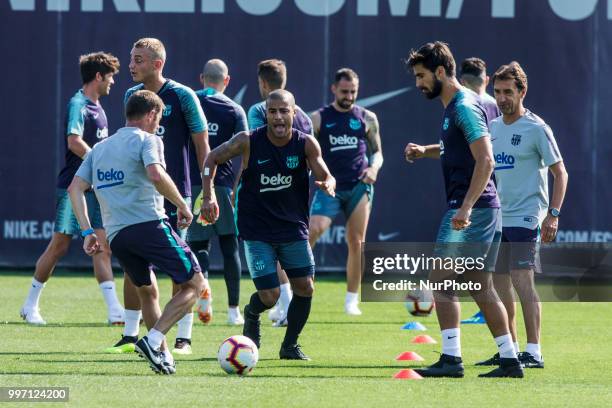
(554, 212)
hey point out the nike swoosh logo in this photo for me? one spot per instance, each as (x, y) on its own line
(262, 161)
(386, 237)
(240, 95)
(173, 213)
(451, 337)
(373, 100)
(330, 125)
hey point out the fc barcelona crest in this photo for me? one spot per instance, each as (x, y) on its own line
(167, 110)
(292, 162)
(446, 124)
(355, 124)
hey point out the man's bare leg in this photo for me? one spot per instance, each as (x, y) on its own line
(356, 227)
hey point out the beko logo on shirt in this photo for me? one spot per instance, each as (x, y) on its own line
(505, 161)
(278, 182)
(342, 142)
(114, 176)
(213, 129)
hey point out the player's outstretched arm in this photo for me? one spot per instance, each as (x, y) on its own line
(323, 178)
(414, 151)
(370, 174)
(236, 146)
(76, 190)
(166, 187)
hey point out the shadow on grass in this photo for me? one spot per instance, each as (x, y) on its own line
(56, 374)
(132, 359)
(215, 375)
(82, 361)
(334, 367)
(285, 376)
(53, 325)
(354, 322)
(215, 359)
(42, 353)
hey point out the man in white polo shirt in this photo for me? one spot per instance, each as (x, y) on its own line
(525, 150)
(127, 173)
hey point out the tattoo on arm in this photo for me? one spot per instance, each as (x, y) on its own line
(373, 136)
(236, 146)
(373, 131)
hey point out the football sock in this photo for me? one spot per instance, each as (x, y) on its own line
(184, 326)
(155, 338)
(231, 267)
(516, 347)
(110, 296)
(451, 342)
(256, 306)
(34, 294)
(505, 346)
(351, 297)
(534, 350)
(299, 310)
(233, 311)
(285, 295)
(132, 323)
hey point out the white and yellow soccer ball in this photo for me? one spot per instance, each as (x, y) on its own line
(238, 355)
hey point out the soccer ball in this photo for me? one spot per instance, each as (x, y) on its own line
(238, 355)
(419, 305)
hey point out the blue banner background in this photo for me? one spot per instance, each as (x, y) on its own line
(563, 45)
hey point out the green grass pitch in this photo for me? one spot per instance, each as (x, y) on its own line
(353, 358)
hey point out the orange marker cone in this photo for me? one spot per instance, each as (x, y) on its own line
(409, 355)
(423, 339)
(407, 375)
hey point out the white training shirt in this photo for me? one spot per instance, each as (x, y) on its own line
(116, 167)
(523, 151)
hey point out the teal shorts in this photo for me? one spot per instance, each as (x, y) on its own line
(294, 257)
(65, 220)
(345, 200)
(225, 225)
(481, 239)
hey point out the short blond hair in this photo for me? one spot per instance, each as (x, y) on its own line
(154, 45)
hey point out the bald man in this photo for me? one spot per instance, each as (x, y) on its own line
(272, 202)
(225, 119)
